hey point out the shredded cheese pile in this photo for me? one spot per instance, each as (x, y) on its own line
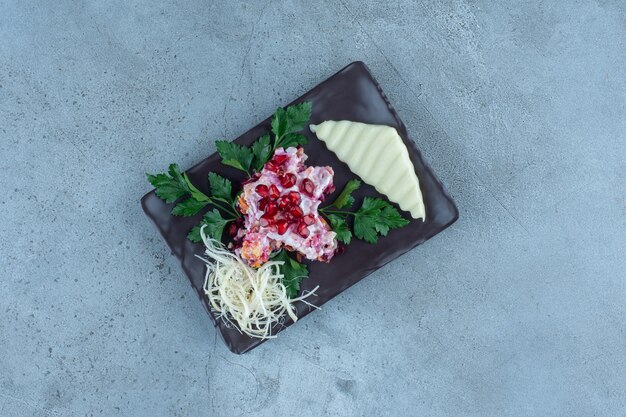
(255, 299)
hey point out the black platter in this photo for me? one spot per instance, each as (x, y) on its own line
(351, 94)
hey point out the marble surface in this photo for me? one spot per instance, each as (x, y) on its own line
(517, 310)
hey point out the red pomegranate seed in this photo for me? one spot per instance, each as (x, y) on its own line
(266, 221)
(271, 166)
(262, 190)
(263, 203)
(280, 159)
(283, 202)
(330, 189)
(296, 212)
(308, 219)
(282, 226)
(271, 209)
(303, 230)
(274, 193)
(232, 230)
(294, 197)
(288, 180)
(307, 186)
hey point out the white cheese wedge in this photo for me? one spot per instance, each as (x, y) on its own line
(377, 154)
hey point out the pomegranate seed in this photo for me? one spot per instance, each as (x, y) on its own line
(274, 193)
(262, 190)
(296, 212)
(294, 197)
(288, 216)
(307, 186)
(282, 226)
(283, 202)
(280, 159)
(232, 230)
(303, 230)
(308, 219)
(263, 203)
(271, 209)
(330, 189)
(288, 180)
(266, 221)
(271, 166)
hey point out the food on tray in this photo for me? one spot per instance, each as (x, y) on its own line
(252, 300)
(280, 210)
(377, 154)
(374, 218)
(274, 221)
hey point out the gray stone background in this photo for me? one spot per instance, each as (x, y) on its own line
(517, 310)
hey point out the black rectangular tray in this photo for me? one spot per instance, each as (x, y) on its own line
(351, 94)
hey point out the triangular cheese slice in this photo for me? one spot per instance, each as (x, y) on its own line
(377, 154)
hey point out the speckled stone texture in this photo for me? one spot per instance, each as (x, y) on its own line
(519, 309)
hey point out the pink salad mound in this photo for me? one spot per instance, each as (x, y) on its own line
(280, 210)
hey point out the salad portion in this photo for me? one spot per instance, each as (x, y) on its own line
(280, 204)
(259, 235)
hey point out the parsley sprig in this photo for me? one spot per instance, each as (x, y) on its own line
(374, 218)
(285, 125)
(286, 122)
(293, 272)
(174, 185)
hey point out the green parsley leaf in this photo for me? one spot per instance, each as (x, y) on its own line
(234, 155)
(195, 193)
(262, 150)
(345, 199)
(371, 205)
(175, 173)
(390, 219)
(279, 123)
(194, 234)
(169, 188)
(293, 139)
(215, 224)
(364, 229)
(188, 207)
(376, 216)
(293, 273)
(340, 227)
(298, 116)
(221, 188)
(290, 120)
